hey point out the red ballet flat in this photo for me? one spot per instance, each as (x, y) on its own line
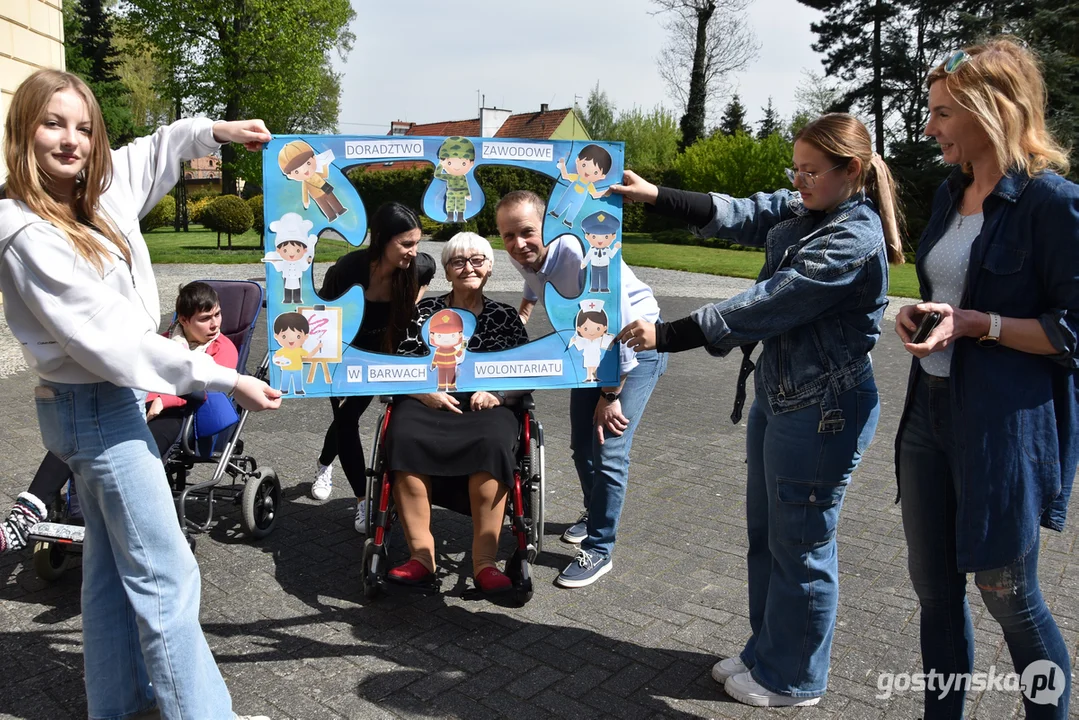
(492, 580)
(412, 572)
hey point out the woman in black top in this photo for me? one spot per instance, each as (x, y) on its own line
(394, 275)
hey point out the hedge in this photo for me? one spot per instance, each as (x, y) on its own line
(258, 219)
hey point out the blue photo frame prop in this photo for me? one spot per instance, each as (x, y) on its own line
(307, 195)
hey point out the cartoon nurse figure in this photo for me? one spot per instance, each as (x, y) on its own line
(299, 162)
(294, 254)
(447, 336)
(592, 337)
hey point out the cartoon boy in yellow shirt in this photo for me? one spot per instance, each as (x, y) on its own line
(592, 165)
(291, 330)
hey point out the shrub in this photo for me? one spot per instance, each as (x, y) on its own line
(196, 208)
(737, 164)
(675, 237)
(227, 214)
(447, 230)
(164, 213)
(255, 203)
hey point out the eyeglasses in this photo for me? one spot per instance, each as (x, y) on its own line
(955, 61)
(458, 263)
(809, 179)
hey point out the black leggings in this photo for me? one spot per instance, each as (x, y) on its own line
(343, 441)
(53, 473)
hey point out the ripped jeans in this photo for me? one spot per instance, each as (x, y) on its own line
(927, 460)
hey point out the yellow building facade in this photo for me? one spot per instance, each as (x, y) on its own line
(31, 37)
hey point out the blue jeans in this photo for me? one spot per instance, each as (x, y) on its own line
(798, 474)
(570, 204)
(604, 469)
(291, 380)
(930, 488)
(140, 581)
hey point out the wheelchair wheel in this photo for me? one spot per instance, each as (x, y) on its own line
(261, 499)
(520, 575)
(50, 561)
(374, 560)
(535, 499)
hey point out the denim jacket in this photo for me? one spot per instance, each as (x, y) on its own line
(818, 301)
(1016, 415)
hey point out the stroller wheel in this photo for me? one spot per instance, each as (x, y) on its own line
(50, 561)
(261, 499)
(374, 560)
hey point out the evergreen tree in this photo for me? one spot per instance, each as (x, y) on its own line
(771, 123)
(734, 118)
(90, 53)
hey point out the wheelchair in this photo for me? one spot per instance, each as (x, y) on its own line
(524, 506)
(211, 435)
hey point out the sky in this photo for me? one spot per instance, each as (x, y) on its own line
(429, 60)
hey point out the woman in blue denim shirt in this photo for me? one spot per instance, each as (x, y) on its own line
(988, 442)
(817, 308)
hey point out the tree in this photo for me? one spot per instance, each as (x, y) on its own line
(598, 114)
(815, 95)
(770, 124)
(734, 118)
(708, 40)
(253, 58)
(738, 165)
(651, 137)
(144, 77)
(89, 53)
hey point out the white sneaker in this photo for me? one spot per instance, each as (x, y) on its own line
(323, 484)
(743, 688)
(252, 717)
(361, 517)
(727, 667)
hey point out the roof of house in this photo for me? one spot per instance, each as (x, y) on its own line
(536, 125)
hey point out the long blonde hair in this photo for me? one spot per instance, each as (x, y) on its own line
(28, 182)
(1002, 86)
(843, 137)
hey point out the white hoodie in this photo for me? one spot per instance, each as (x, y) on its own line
(78, 327)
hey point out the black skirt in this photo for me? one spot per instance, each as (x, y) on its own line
(425, 441)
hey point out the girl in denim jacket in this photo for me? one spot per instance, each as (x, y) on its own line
(816, 308)
(989, 440)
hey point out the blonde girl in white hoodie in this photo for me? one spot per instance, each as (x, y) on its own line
(80, 295)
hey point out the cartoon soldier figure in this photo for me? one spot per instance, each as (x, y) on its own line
(299, 162)
(456, 157)
(448, 338)
(600, 230)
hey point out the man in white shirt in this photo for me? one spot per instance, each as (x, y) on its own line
(602, 420)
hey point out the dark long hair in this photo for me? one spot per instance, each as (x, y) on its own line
(390, 220)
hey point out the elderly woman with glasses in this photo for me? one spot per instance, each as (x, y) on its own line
(989, 440)
(441, 437)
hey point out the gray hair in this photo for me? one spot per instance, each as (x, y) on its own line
(466, 243)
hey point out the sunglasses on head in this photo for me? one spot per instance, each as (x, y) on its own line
(955, 61)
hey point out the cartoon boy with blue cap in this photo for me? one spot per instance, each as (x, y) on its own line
(600, 230)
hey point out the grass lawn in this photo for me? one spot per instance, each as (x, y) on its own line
(200, 246)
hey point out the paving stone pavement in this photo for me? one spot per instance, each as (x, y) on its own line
(295, 639)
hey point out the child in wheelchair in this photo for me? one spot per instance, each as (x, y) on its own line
(197, 327)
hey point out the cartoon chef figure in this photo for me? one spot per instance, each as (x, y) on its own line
(592, 337)
(294, 254)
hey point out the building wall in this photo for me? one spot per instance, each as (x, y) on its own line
(571, 128)
(31, 37)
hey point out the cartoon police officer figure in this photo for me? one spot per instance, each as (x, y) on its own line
(299, 162)
(600, 230)
(456, 157)
(294, 254)
(592, 337)
(447, 337)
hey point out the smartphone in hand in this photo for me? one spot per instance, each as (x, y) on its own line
(926, 325)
